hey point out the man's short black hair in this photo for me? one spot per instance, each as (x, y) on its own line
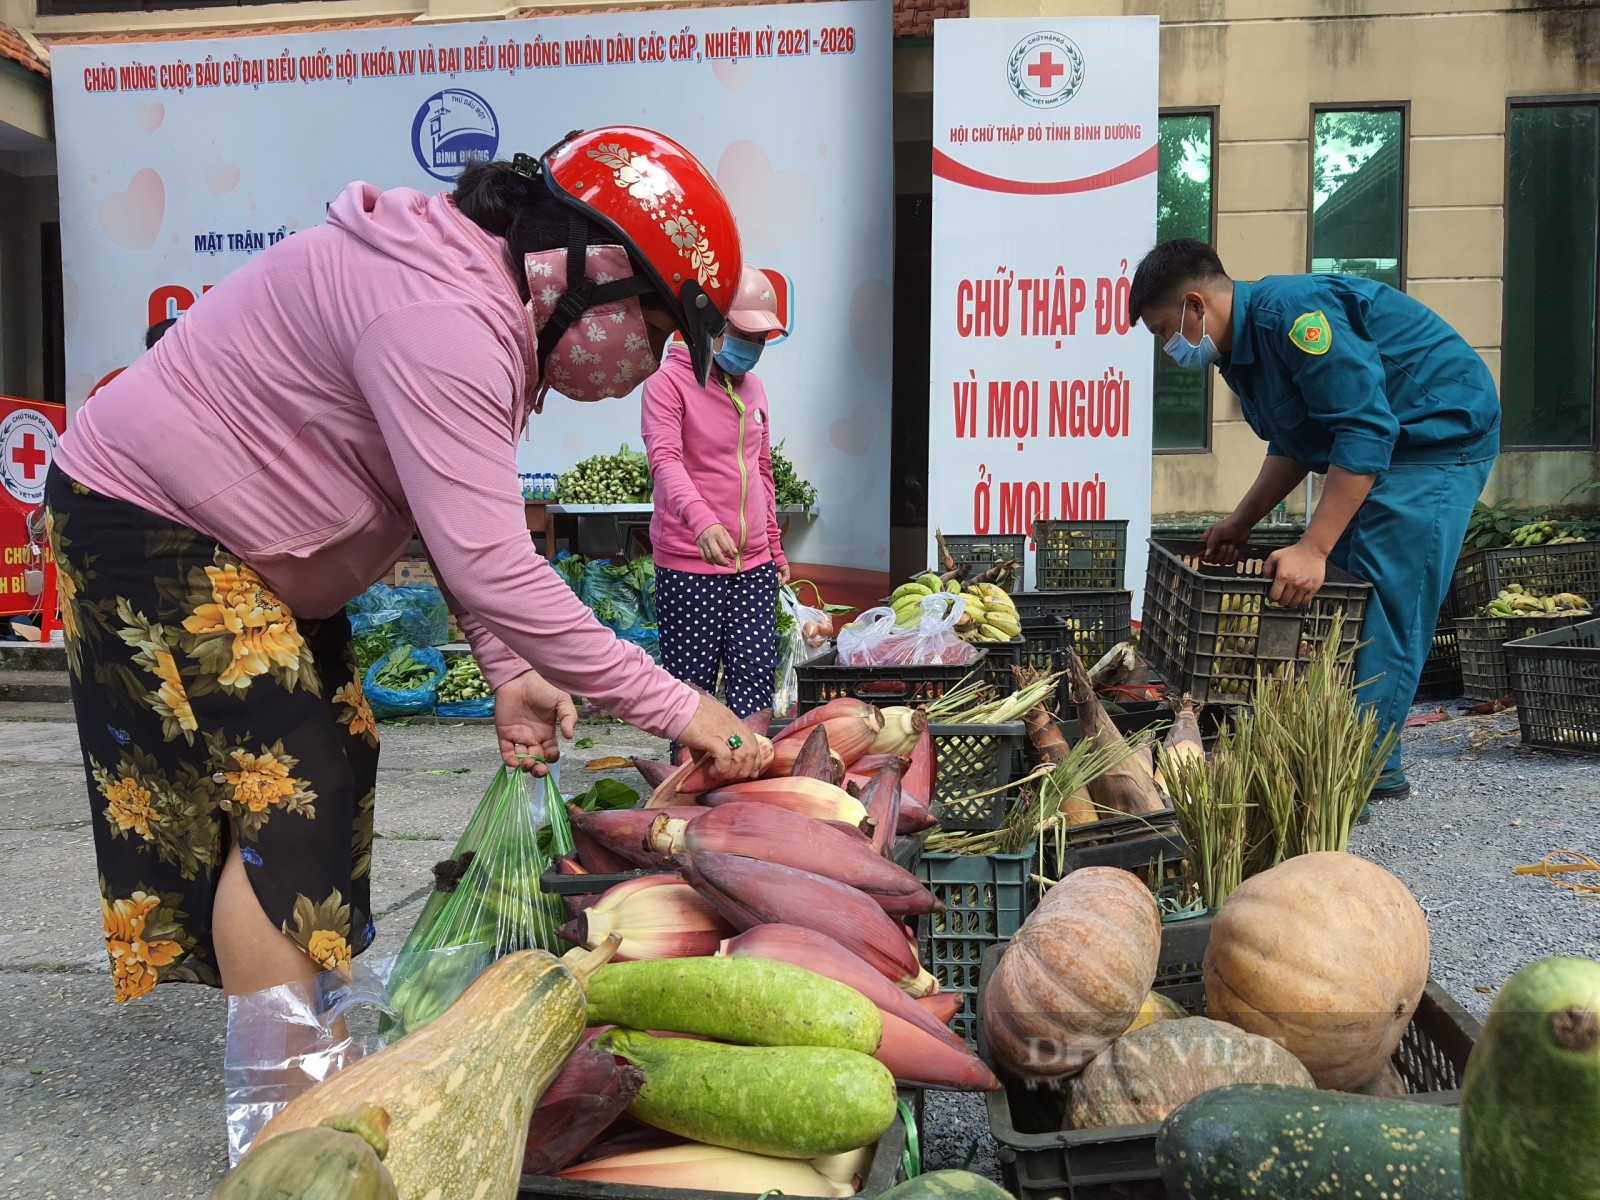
(156, 331)
(1169, 270)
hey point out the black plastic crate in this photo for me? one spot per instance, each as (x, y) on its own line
(983, 551)
(1441, 673)
(1096, 618)
(986, 899)
(1040, 1160)
(822, 679)
(1047, 641)
(1481, 644)
(554, 883)
(1207, 628)
(1266, 534)
(1480, 577)
(1080, 554)
(1555, 678)
(975, 758)
(1137, 716)
(885, 1170)
(1001, 657)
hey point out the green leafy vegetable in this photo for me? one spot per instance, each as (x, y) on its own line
(788, 488)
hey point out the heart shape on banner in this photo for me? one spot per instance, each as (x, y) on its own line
(150, 115)
(132, 219)
(734, 76)
(774, 207)
(853, 435)
(221, 176)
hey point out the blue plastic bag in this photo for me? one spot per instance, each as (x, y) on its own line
(467, 708)
(608, 591)
(643, 636)
(424, 616)
(373, 609)
(387, 702)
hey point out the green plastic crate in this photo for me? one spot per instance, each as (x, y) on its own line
(986, 899)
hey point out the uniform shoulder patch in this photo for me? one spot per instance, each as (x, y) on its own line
(1311, 333)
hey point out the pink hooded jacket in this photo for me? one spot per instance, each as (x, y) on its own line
(710, 451)
(357, 377)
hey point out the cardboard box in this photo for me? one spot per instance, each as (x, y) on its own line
(409, 571)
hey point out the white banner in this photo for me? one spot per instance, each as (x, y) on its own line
(1044, 198)
(180, 159)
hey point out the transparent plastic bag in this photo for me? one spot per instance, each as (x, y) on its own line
(285, 1039)
(486, 892)
(803, 634)
(872, 639)
(392, 702)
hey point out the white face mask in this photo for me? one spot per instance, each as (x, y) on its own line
(1194, 355)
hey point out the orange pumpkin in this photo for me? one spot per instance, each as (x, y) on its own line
(1327, 955)
(1074, 976)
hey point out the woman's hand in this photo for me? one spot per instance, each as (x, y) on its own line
(783, 575)
(528, 714)
(717, 548)
(710, 732)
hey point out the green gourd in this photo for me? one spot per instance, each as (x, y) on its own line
(1292, 1143)
(340, 1159)
(1530, 1101)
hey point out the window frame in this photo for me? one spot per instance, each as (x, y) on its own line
(1403, 107)
(1212, 112)
(1565, 100)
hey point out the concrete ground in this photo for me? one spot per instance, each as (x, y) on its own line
(98, 1098)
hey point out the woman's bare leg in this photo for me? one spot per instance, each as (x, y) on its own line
(252, 953)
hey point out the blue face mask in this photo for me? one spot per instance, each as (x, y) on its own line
(1195, 355)
(737, 356)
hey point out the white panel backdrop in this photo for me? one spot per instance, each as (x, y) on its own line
(1044, 198)
(180, 159)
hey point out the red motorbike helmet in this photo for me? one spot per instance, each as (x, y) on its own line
(665, 208)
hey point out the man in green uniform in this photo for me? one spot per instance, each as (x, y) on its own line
(1355, 380)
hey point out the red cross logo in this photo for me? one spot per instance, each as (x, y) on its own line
(28, 456)
(1045, 69)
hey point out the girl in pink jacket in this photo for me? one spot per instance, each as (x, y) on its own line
(719, 557)
(215, 506)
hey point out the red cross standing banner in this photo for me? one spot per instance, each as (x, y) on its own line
(1044, 199)
(29, 430)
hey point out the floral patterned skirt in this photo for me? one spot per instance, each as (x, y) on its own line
(209, 717)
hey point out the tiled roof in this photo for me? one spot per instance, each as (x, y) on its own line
(12, 47)
(912, 18)
(263, 30)
(915, 18)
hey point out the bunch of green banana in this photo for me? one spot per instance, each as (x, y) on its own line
(1518, 601)
(991, 614)
(1543, 533)
(908, 597)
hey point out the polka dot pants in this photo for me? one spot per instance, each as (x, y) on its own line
(729, 622)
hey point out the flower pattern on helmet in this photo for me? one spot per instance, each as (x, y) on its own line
(647, 182)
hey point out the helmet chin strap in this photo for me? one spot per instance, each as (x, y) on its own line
(583, 293)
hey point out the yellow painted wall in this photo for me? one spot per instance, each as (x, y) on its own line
(1263, 64)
